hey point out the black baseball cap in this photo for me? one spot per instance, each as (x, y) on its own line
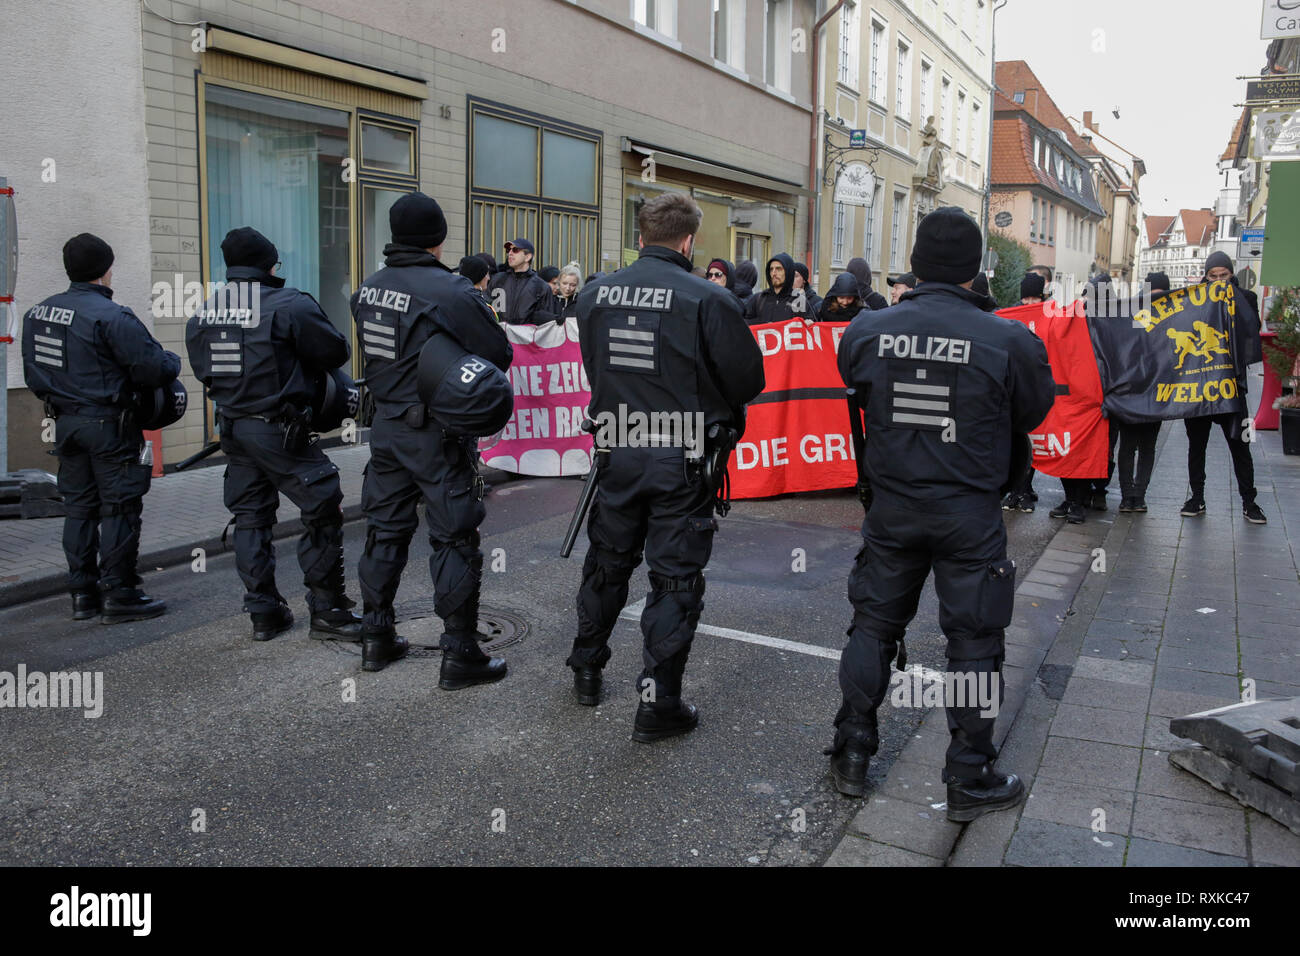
(523, 244)
(905, 278)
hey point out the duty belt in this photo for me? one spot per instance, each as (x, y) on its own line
(83, 411)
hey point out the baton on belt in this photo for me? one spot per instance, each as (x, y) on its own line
(858, 434)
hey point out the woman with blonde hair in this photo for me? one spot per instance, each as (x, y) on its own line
(568, 285)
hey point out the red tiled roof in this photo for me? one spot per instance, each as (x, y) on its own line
(1156, 227)
(1013, 162)
(1198, 226)
(1014, 76)
(1234, 141)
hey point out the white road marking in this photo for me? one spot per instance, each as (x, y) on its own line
(633, 613)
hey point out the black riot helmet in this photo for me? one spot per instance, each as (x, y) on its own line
(337, 398)
(162, 406)
(464, 393)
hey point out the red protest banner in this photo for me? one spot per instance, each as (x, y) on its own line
(797, 431)
(1072, 442)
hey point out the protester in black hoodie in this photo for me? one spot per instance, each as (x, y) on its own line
(1218, 267)
(780, 302)
(518, 294)
(872, 299)
(842, 302)
(746, 279)
(801, 281)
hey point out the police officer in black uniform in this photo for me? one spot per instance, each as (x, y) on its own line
(945, 385)
(85, 356)
(656, 339)
(396, 311)
(262, 349)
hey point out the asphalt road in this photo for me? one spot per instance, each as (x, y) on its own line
(257, 742)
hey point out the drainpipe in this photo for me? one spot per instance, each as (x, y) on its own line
(988, 163)
(814, 147)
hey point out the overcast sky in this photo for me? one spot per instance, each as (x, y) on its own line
(1168, 65)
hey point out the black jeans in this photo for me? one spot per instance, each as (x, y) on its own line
(1099, 485)
(1079, 490)
(1198, 438)
(1137, 448)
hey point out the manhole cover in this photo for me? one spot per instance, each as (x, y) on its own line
(419, 625)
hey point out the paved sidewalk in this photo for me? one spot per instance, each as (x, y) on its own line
(1098, 663)
(182, 511)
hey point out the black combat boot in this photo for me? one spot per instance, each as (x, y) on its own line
(465, 670)
(85, 605)
(267, 624)
(971, 798)
(339, 621)
(666, 717)
(849, 767)
(133, 606)
(586, 682)
(380, 647)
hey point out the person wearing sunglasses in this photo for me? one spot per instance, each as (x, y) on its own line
(722, 272)
(519, 295)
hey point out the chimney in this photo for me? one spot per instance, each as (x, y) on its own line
(1087, 121)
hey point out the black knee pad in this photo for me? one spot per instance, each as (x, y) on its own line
(612, 567)
(456, 566)
(251, 520)
(131, 508)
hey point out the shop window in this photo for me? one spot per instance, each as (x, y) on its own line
(277, 165)
(387, 149)
(534, 177)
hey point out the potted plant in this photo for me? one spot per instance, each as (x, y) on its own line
(1282, 353)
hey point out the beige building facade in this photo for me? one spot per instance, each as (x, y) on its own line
(888, 66)
(549, 119)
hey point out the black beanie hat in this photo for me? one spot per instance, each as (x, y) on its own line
(948, 247)
(1218, 259)
(1159, 281)
(86, 258)
(473, 268)
(417, 220)
(246, 246)
(1032, 286)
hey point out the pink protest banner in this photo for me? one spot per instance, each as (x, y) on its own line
(544, 436)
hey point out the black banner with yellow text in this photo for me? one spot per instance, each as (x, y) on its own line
(1176, 358)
